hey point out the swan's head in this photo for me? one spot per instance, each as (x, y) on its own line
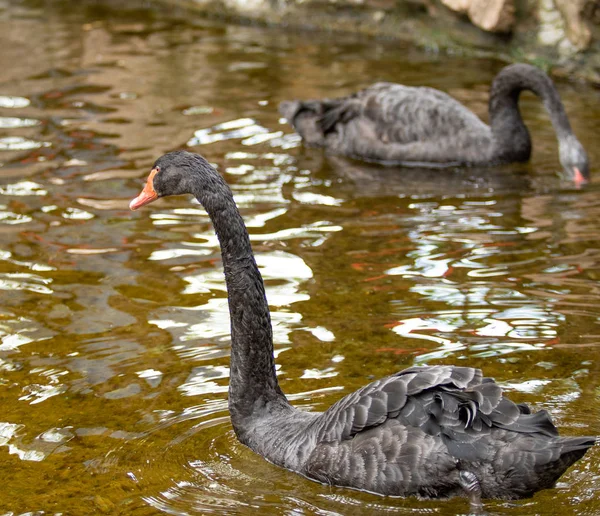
(574, 160)
(176, 173)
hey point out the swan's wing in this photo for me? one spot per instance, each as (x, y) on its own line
(402, 114)
(384, 399)
(442, 400)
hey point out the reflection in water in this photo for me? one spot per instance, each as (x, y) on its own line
(114, 328)
(7, 101)
(283, 274)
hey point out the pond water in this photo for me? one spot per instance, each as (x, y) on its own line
(114, 330)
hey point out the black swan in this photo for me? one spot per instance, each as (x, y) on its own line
(391, 123)
(434, 432)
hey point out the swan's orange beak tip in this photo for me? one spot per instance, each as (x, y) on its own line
(142, 199)
(578, 178)
(147, 195)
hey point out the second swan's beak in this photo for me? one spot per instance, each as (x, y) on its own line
(147, 195)
(578, 178)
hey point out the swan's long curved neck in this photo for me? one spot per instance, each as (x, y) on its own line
(510, 134)
(253, 383)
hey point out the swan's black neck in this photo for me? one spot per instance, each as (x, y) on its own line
(253, 383)
(512, 141)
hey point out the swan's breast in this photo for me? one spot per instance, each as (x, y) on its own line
(284, 437)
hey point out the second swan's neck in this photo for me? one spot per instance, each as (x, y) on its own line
(253, 384)
(511, 137)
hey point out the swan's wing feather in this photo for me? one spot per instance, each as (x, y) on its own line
(393, 397)
(403, 114)
(454, 402)
(339, 112)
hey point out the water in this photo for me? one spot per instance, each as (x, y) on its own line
(114, 325)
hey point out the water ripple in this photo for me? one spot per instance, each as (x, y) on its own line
(13, 122)
(13, 102)
(245, 128)
(23, 188)
(18, 143)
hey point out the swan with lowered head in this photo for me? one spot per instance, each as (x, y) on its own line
(434, 432)
(392, 123)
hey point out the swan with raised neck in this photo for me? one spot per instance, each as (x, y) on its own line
(436, 431)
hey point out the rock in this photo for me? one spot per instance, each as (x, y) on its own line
(575, 27)
(489, 15)
(460, 6)
(551, 29)
(493, 15)
(561, 24)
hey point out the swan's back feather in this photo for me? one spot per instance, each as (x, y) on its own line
(405, 114)
(445, 400)
(396, 395)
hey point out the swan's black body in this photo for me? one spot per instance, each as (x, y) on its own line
(391, 123)
(430, 431)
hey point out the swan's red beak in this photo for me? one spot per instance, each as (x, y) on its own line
(148, 193)
(578, 178)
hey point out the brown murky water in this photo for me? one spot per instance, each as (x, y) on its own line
(114, 325)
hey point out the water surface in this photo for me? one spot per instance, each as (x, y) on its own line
(114, 329)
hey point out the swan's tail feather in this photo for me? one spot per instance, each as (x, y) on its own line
(537, 464)
(304, 117)
(336, 113)
(571, 450)
(539, 422)
(314, 119)
(577, 445)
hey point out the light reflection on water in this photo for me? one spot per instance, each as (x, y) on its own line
(114, 327)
